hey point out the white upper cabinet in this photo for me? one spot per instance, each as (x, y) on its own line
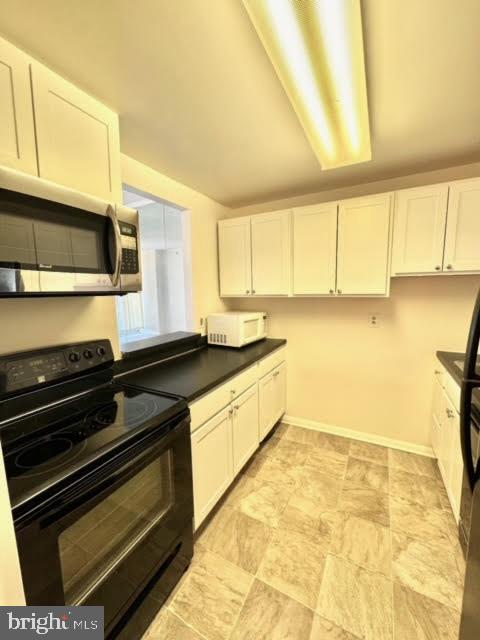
(462, 239)
(314, 230)
(17, 137)
(363, 246)
(419, 229)
(77, 136)
(235, 257)
(271, 253)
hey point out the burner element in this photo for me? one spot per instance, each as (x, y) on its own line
(43, 452)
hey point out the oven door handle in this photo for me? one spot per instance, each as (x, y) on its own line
(112, 214)
(102, 480)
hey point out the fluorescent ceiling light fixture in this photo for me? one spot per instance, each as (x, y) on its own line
(316, 48)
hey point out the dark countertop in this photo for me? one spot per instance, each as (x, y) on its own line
(448, 359)
(191, 375)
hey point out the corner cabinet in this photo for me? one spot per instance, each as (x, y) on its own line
(17, 136)
(363, 254)
(77, 136)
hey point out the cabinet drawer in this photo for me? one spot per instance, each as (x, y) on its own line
(213, 401)
(270, 362)
(452, 389)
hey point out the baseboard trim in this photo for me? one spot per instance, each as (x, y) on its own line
(402, 445)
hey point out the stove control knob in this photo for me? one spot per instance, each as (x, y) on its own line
(74, 356)
(101, 351)
(88, 353)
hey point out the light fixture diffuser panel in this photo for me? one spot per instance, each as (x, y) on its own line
(316, 48)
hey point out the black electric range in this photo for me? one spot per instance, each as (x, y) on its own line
(100, 483)
(46, 449)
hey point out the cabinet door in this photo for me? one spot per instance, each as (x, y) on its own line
(271, 253)
(235, 257)
(17, 138)
(245, 427)
(363, 246)
(438, 418)
(280, 391)
(77, 137)
(272, 391)
(462, 248)
(267, 405)
(456, 469)
(212, 463)
(419, 229)
(314, 249)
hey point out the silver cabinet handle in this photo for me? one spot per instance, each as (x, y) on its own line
(236, 407)
(247, 291)
(233, 392)
(331, 291)
(230, 411)
(449, 266)
(276, 373)
(437, 268)
(253, 291)
(339, 291)
(112, 214)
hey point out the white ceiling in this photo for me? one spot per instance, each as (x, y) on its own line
(200, 102)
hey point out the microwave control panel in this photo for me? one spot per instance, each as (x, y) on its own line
(129, 248)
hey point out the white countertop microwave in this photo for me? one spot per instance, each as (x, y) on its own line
(236, 328)
(58, 241)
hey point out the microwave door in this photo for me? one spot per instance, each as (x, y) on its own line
(18, 263)
(66, 240)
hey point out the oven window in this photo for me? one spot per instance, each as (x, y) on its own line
(96, 542)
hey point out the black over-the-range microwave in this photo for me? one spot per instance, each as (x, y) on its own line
(57, 241)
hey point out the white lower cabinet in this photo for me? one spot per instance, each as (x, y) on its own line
(272, 399)
(445, 437)
(245, 427)
(228, 424)
(212, 462)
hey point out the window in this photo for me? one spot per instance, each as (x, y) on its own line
(164, 304)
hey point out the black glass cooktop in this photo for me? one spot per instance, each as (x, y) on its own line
(48, 446)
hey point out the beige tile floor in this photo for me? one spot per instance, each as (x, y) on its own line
(323, 538)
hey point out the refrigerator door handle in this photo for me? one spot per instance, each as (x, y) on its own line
(465, 432)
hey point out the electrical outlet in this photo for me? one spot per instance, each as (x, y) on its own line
(374, 320)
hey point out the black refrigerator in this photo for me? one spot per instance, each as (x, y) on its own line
(470, 622)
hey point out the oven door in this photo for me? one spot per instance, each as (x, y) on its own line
(103, 541)
(54, 240)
